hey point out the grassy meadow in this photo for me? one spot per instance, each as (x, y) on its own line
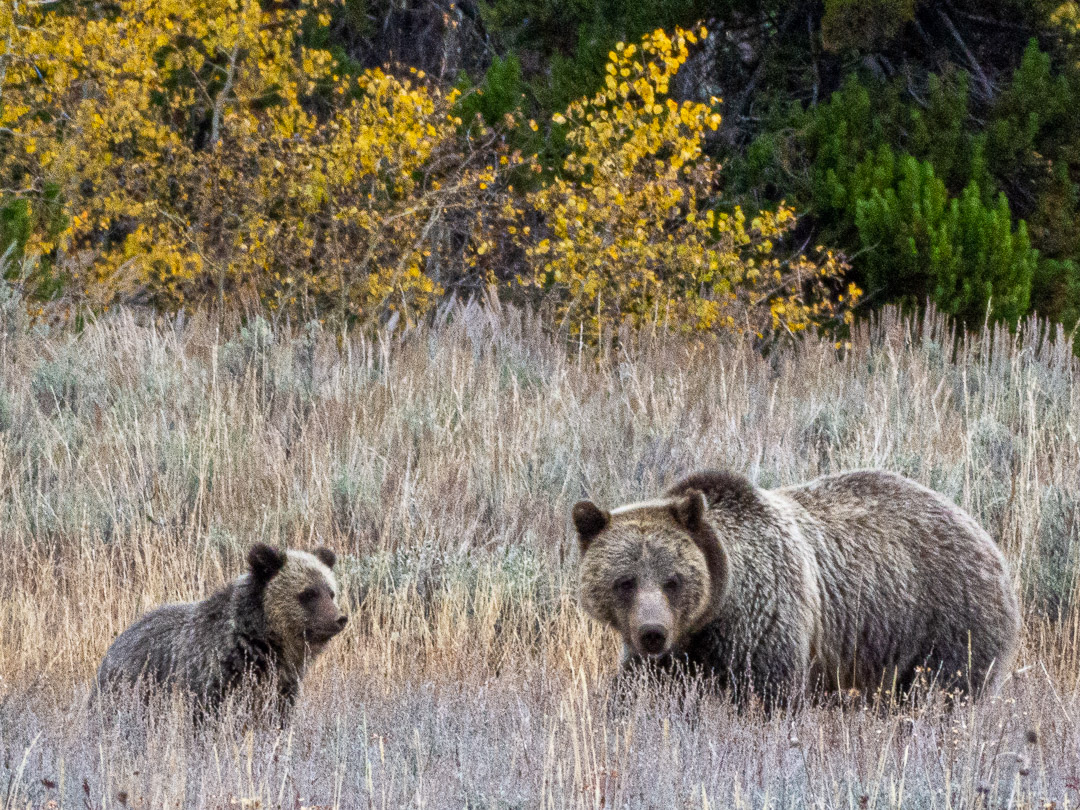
(140, 458)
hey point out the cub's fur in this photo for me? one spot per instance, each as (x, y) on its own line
(851, 581)
(269, 622)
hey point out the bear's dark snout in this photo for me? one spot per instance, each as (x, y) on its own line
(652, 639)
(325, 620)
(327, 629)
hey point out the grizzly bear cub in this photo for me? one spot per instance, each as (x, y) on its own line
(851, 581)
(268, 623)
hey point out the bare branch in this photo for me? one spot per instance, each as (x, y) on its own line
(230, 78)
(988, 87)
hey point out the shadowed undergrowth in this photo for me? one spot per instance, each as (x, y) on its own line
(138, 462)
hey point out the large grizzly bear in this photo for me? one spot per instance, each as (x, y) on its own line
(269, 622)
(851, 581)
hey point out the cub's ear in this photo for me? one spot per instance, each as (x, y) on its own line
(689, 510)
(326, 556)
(265, 561)
(589, 520)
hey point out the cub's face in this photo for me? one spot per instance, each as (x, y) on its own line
(301, 597)
(323, 619)
(644, 572)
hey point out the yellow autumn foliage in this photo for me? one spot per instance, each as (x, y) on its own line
(183, 142)
(631, 226)
(179, 152)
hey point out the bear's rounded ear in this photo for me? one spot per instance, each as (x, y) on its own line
(689, 509)
(265, 561)
(589, 520)
(326, 556)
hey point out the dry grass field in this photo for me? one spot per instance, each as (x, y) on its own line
(139, 460)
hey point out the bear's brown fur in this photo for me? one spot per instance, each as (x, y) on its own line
(269, 622)
(851, 581)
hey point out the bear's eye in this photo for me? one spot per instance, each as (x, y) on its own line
(625, 585)
(673, 584)
(307, 595)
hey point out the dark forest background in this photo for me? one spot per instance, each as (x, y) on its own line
(936, 143)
